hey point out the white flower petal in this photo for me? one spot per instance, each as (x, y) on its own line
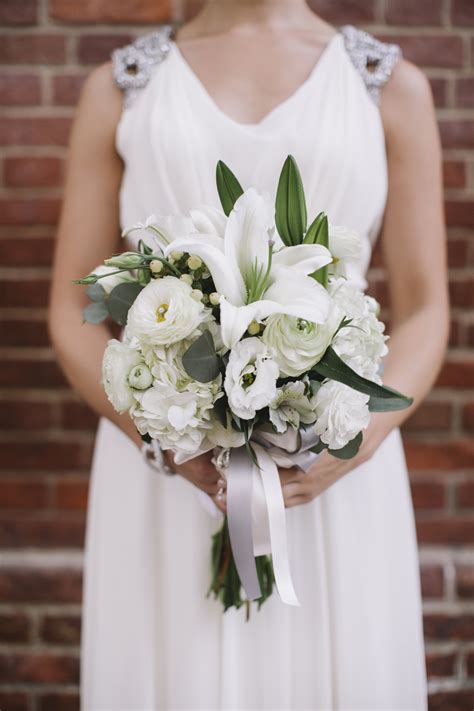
(304, 258)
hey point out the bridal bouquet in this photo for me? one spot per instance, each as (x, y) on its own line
(243, 336)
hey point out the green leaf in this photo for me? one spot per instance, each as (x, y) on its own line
(350, 449)
(290, 204)
(322, 237)
(201, 361)
(333, 367)
(386, 404)
(95, 312)
(228, 187)
(96, 292)
(319, 447)
(313, 230)
(120, 299)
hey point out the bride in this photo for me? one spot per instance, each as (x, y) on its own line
(249, 82)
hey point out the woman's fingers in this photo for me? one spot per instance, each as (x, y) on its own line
(289, 475)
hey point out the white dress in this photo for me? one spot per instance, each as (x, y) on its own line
(151, 638)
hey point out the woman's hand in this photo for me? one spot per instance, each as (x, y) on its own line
(201, 472)
(299, 487)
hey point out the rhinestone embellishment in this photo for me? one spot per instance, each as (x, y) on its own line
(132, 65)
(366, 51)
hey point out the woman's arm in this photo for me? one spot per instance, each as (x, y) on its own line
(414, 248)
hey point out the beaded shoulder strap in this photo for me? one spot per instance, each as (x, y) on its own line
(373, 59)
(132, 65)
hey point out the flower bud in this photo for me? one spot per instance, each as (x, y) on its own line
(187, 278)
(140, 377)
(197, 294)
(214, 298)
(156, 266)
(206, 274)
(176, 255)
(127, 260)
(194, 262)
(253, 328)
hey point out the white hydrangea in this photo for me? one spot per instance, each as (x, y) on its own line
(250, 379)
(292, 405)
(341, 413)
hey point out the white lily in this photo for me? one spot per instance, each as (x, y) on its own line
(253, 278)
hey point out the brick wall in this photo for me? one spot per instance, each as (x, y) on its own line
(47, 434)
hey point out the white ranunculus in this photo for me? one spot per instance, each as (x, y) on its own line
(119, 359)
(250, 379)
(345, 247)
(110, 282)
(297, 344)
(177, 410)
(341, 413)
(140, 377)
(293, 405)
(164, 312)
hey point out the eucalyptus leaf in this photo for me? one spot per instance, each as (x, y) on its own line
(120, 299)
(201, 361)
(333, 367)
(290, 204)
(228, 187)
(96, 292)
(350, 449)
(95, 312)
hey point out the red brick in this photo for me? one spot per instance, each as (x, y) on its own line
(35, 585)
(455, 454)
(441, 626)
(13, 12)
(23, 333)
(462, 12)
(31, 374)
(465, 495)
(67, 89)
(440, 665)
(38, 131)
(451, 701)
(94, 49)
(21, 533)
(34, 252)
(454, 174)
(460, 213)
(456, 374)
(343, 11)
(446, 531)
(438, 50)
(77, 416)
(61, 629)
(39, 668)
(16, 414)
(14, 628)
(431, 415)
(32, 49)
(428, 495)
(133, 11)
(468, 416)
(457, 133)
(14, 701)
(407, 12)
(72, 494)
(458, 250)
(439, 89)
(462, 293)
(432, 581)
(28, 172)
(465, 581)
(34, 292)
(20, 90)
(60, 701)
(38, 211)
(465, 92)
(57, 456)
(22, 494)
(470, 664)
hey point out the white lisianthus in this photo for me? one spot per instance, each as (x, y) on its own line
(345, 246)
(119, 360)
(110, 282)
(341, 413)
(297, 344)
(250, 379)
(177, 409)
(164, 312)
(292, 405)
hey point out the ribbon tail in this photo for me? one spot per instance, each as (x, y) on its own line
(239, 516)
(277, 526)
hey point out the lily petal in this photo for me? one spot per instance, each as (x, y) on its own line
(209, 220)
(299, 295)
(304, 258)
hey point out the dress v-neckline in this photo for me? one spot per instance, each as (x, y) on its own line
(323, 57)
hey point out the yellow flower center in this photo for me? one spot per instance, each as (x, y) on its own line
(161, 312)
